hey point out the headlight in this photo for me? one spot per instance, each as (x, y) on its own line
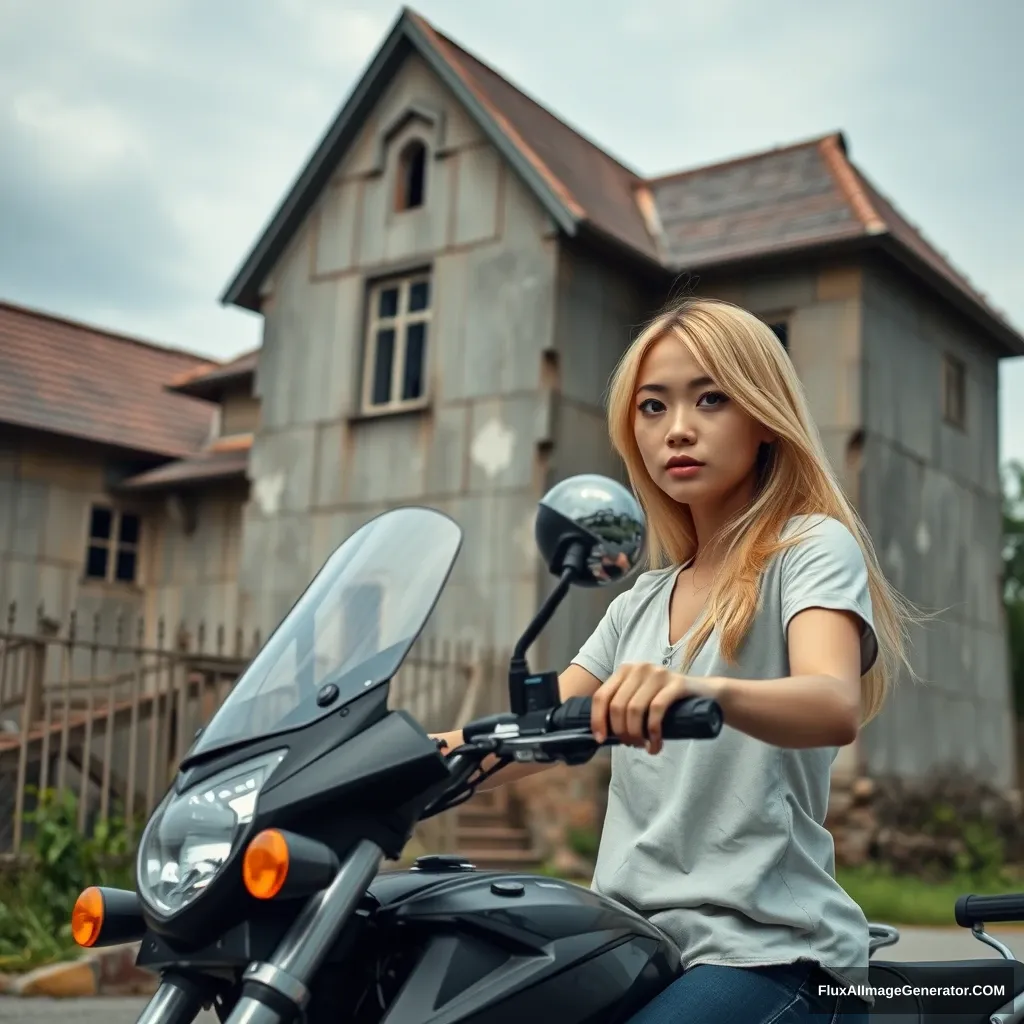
(192, 834)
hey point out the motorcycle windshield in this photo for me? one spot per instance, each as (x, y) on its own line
(351, 629)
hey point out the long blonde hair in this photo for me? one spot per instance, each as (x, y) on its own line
(745, 359)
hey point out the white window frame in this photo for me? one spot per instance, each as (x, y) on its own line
(113, 545)
(399, 323)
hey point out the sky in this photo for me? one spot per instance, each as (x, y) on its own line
(144, 145)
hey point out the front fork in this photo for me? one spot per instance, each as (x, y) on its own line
(276, 991)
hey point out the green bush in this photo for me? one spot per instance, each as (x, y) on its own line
(37, 894)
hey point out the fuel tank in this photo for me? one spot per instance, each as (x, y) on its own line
(470, 946)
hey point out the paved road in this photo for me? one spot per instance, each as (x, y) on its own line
(914, 944)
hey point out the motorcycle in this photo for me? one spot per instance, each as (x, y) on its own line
(259, 884)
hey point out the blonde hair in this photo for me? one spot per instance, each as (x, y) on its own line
(745, 359)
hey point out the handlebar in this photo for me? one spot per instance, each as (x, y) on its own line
(563, 734)
(1001, 909)
(694, 718)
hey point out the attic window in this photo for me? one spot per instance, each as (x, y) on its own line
(412, 172)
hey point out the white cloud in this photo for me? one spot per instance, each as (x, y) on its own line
(148, 143)
(78, 139)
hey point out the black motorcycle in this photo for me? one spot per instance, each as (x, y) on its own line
(259, 883)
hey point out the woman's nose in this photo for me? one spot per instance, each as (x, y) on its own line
(680, 430)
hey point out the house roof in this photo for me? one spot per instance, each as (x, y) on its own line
(210, 380)
(69, 378)
(803, 196)
(225, 459)
(793, 199)
(577, 182)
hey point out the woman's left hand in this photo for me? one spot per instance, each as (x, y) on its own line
(619, 706)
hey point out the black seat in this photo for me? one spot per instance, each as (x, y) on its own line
(911, 1009)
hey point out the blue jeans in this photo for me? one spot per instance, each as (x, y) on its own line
(710, 994)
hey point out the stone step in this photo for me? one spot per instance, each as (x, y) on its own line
(482, 817)
(492, 837)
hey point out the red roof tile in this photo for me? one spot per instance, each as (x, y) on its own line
(69, 378)
(594, 185)
(785, 198)
(789, 199)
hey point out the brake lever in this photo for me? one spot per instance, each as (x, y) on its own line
(571, 748)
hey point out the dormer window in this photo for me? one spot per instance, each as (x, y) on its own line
(412, 173)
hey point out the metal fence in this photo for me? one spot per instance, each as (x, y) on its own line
(106, 710)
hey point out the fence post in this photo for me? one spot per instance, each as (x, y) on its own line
(36, 678)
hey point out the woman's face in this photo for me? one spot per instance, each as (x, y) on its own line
(698, 446)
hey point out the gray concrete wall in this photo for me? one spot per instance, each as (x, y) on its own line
(319, 469)
(192, 568)
(930, 496)
(47, 487)
(239, 413)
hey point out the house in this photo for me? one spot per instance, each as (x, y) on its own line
(450, 281)
(81, 411)
(445, 291)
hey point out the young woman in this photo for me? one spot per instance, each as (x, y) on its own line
(764, 593)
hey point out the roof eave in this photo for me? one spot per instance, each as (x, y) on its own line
(588, 231)
(835, 244)
(211, 388)
(1010, 341)
(102, 443)
(139, 484)
(243, 291)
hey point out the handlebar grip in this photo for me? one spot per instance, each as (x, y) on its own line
(692, 718)
(972, 910)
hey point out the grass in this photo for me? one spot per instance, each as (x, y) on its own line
(905, 900)
(902, 900)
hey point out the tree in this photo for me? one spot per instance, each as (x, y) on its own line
(1013, 573)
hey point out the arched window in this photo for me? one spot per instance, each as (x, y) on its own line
(412, 172)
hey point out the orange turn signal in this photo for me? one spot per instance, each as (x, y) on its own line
(265, 865)
(87, 917)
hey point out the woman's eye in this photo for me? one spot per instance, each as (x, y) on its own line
(712, 399)
(650, 406)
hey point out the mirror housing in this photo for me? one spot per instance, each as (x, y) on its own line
(593, 526)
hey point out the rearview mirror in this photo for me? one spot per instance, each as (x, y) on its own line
(593, 525)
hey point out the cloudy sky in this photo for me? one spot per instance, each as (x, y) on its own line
(144, 143)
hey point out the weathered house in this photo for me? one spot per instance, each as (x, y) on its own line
(450, 281)
(83, 410)
(445, 291)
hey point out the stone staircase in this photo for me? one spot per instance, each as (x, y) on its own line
(487, 835)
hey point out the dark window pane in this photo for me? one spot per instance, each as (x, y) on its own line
(413, 168)
(383, 363)
(388, 304)
(100, 524)
(124, 570)
(415, 350)
(96, 563)
(419, 296)
(129, 529)
(782, 333)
